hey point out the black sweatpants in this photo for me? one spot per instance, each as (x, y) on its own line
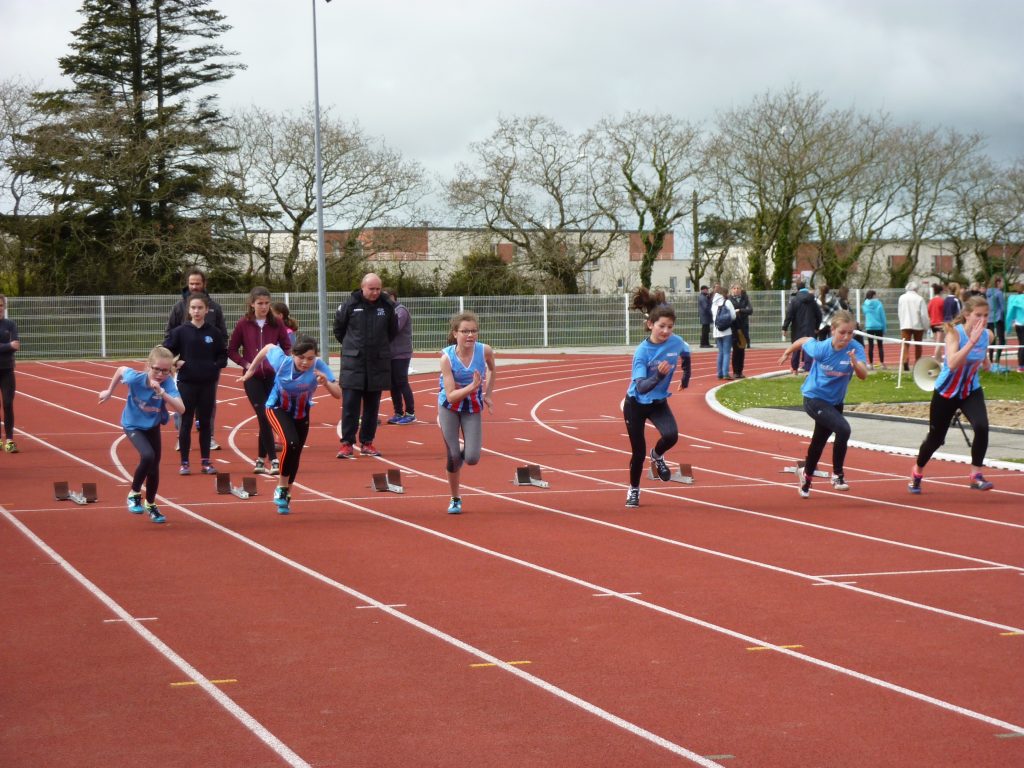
(7, 390)
(199, 399)
(828, 420)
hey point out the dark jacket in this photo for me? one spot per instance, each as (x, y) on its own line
(704, 308)
(401, 345)
(179, 315)
(804, 314)
(203, 349)
(248, 338)
(744, 310)
(365, 330)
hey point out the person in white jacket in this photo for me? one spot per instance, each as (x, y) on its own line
(722, 336)
(912, 311)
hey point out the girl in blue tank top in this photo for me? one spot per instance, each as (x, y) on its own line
(465, 387)
(958, 388)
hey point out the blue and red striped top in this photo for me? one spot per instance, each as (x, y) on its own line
(960, 382)
(463, 375)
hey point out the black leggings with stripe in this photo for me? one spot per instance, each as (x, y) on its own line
(291, 434)
(636, 415)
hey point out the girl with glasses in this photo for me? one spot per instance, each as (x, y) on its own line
(152, 394)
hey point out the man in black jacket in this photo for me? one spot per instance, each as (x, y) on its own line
(804, 315)
(365, 325)
(195, 282)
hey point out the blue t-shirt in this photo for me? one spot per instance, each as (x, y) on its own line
(645, 364)
(964, 380)
(463, 375)
(830, 374)
(293, 391)
(144, 408)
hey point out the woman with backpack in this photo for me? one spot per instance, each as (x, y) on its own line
(724, 313)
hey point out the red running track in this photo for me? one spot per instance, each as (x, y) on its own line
(725, 623)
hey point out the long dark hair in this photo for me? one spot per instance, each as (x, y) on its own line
(646, 300)
(255, 293)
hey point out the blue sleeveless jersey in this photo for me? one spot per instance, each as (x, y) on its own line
(964, 380)
(464, 375)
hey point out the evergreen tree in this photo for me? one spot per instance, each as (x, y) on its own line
(124, 154)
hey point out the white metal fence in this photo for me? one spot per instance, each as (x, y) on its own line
(68, 327)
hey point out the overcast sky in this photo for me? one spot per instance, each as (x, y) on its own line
(430, 76)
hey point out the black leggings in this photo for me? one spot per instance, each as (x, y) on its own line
(940, 417)
(7, 394)
(636, 416)
(258, 390)
(871, 345)
(828, 420)
(401, 393)
(291, 434)
(999, 329)
(147, 443)
(199, 399)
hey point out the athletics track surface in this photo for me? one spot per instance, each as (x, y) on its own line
(727, 623)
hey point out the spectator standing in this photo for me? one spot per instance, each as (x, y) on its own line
(913, 316)
(936, 315)
(402, 400)
(740, 328)
(9, 345)
(803, 317)
(722, 336)
(252, 332)
(704, 315)
(1015, 321)
(202, 353)
(996, 310)
(828, 302)
(283, 315)
(873, 313)
(195, 282)
(365, 324)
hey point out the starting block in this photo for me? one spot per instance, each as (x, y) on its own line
(683, 473)
(388, 481)
(529, 475)
(62, 492)
(247, 489)
(799, 467)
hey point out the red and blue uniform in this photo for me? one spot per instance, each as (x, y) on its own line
(463, 375)
(965, 379)
(293, 391)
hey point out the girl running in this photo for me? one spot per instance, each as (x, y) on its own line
(296, 379)
(151, 394)
(466, 384)
(202, 354)
(834, 360)
(654, 363)
(958, 387)
(253, 331)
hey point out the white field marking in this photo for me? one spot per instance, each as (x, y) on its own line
(553, 410)
(596, 588)
(605, 416)
(118, 621)
(833, 583)
(390, 605)
(511, 403)
(524, 440)
(194, 675)
(550, 688)
(516, 418)
(925, 571)
(701, 447)
(729, 446)
(569, 426)
(733, 432)
(585, 450)
(415, 442)
(615, 594)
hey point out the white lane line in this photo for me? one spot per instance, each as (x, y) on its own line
(927, 570)
(134, 618)
(248, 721)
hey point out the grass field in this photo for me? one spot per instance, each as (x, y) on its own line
(879, 387)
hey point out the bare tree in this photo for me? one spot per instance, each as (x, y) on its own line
(543, 189)
(656, 159)
(365, 182)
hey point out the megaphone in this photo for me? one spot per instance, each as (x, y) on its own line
(926, 370)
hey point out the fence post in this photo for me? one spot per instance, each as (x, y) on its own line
(462, 304)
(103, 326)
(544, 313)
(625, 314)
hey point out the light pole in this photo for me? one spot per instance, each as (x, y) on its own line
(321, 263)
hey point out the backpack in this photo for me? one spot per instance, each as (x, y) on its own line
(723, 318)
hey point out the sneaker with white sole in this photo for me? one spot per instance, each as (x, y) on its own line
(208, 468)
(154, 513)
(660, 467)
(368, 449)
(455, 508)
(260, 468)
(135, 503)
(839, 483)
(214, 445)
(396, 419)
(914, 486)
(282, 500)
(409, 418)
(275, 467)
(345, 451)
(633, 498)
(804, 481)
(185, 469)
(979, 483)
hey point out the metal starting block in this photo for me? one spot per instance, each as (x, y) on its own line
(799, 467)
(247, 489)
(529, 475)
(683, 473)
(62, 492)
(388, 481)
